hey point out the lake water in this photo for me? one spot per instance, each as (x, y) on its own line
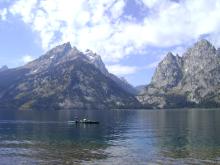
(122, 137)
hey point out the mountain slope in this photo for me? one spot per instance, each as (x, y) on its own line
(192, 80)
(97, 61)
(140, 88)
(63, 78)
(3, 68)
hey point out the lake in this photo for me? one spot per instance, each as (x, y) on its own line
(190, 136)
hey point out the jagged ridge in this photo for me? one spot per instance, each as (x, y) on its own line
(63, 78)
(192, 80)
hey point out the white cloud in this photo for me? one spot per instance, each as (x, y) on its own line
(117, 9)
(3, 14)
(96, 24)
(152, 65)
(24, 8)
(27, 58)
(122, 69)
(152, 3)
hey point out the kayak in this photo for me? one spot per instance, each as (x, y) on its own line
(83, 122)
(87, 122)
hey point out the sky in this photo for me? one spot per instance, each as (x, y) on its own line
(131, 36)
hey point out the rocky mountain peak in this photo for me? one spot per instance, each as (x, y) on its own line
(168, 72)
(96, 60)
(88, 51)
(61, 48)
(54, 56)
(190, 80)
(64, 54)
(92, 55)
(203, 55)
(170, 55)
(170, 59)
(203, 43)
(58, 51)
(64, 78)
(202, 48)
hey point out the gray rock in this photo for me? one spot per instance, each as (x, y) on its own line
(192, 80)
(63, 78)
(168, 73)
(98, 63)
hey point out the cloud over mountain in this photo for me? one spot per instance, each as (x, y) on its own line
(113, 30)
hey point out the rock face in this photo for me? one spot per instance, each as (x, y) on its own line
(192, 80)
(97, 61)
(168, 73)
(63, 78)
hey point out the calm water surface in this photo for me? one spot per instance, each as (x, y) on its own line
(123, 137)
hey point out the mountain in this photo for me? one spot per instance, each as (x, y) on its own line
(3, 68)
(122, 82)
(63, 78)
(140, 88)
(192, 80)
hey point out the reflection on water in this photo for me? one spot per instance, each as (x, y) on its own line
(193, 136)
(123, 137)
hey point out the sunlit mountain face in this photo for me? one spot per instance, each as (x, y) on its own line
(188, 81)
(64, 78)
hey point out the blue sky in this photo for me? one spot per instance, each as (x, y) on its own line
(132, 36)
